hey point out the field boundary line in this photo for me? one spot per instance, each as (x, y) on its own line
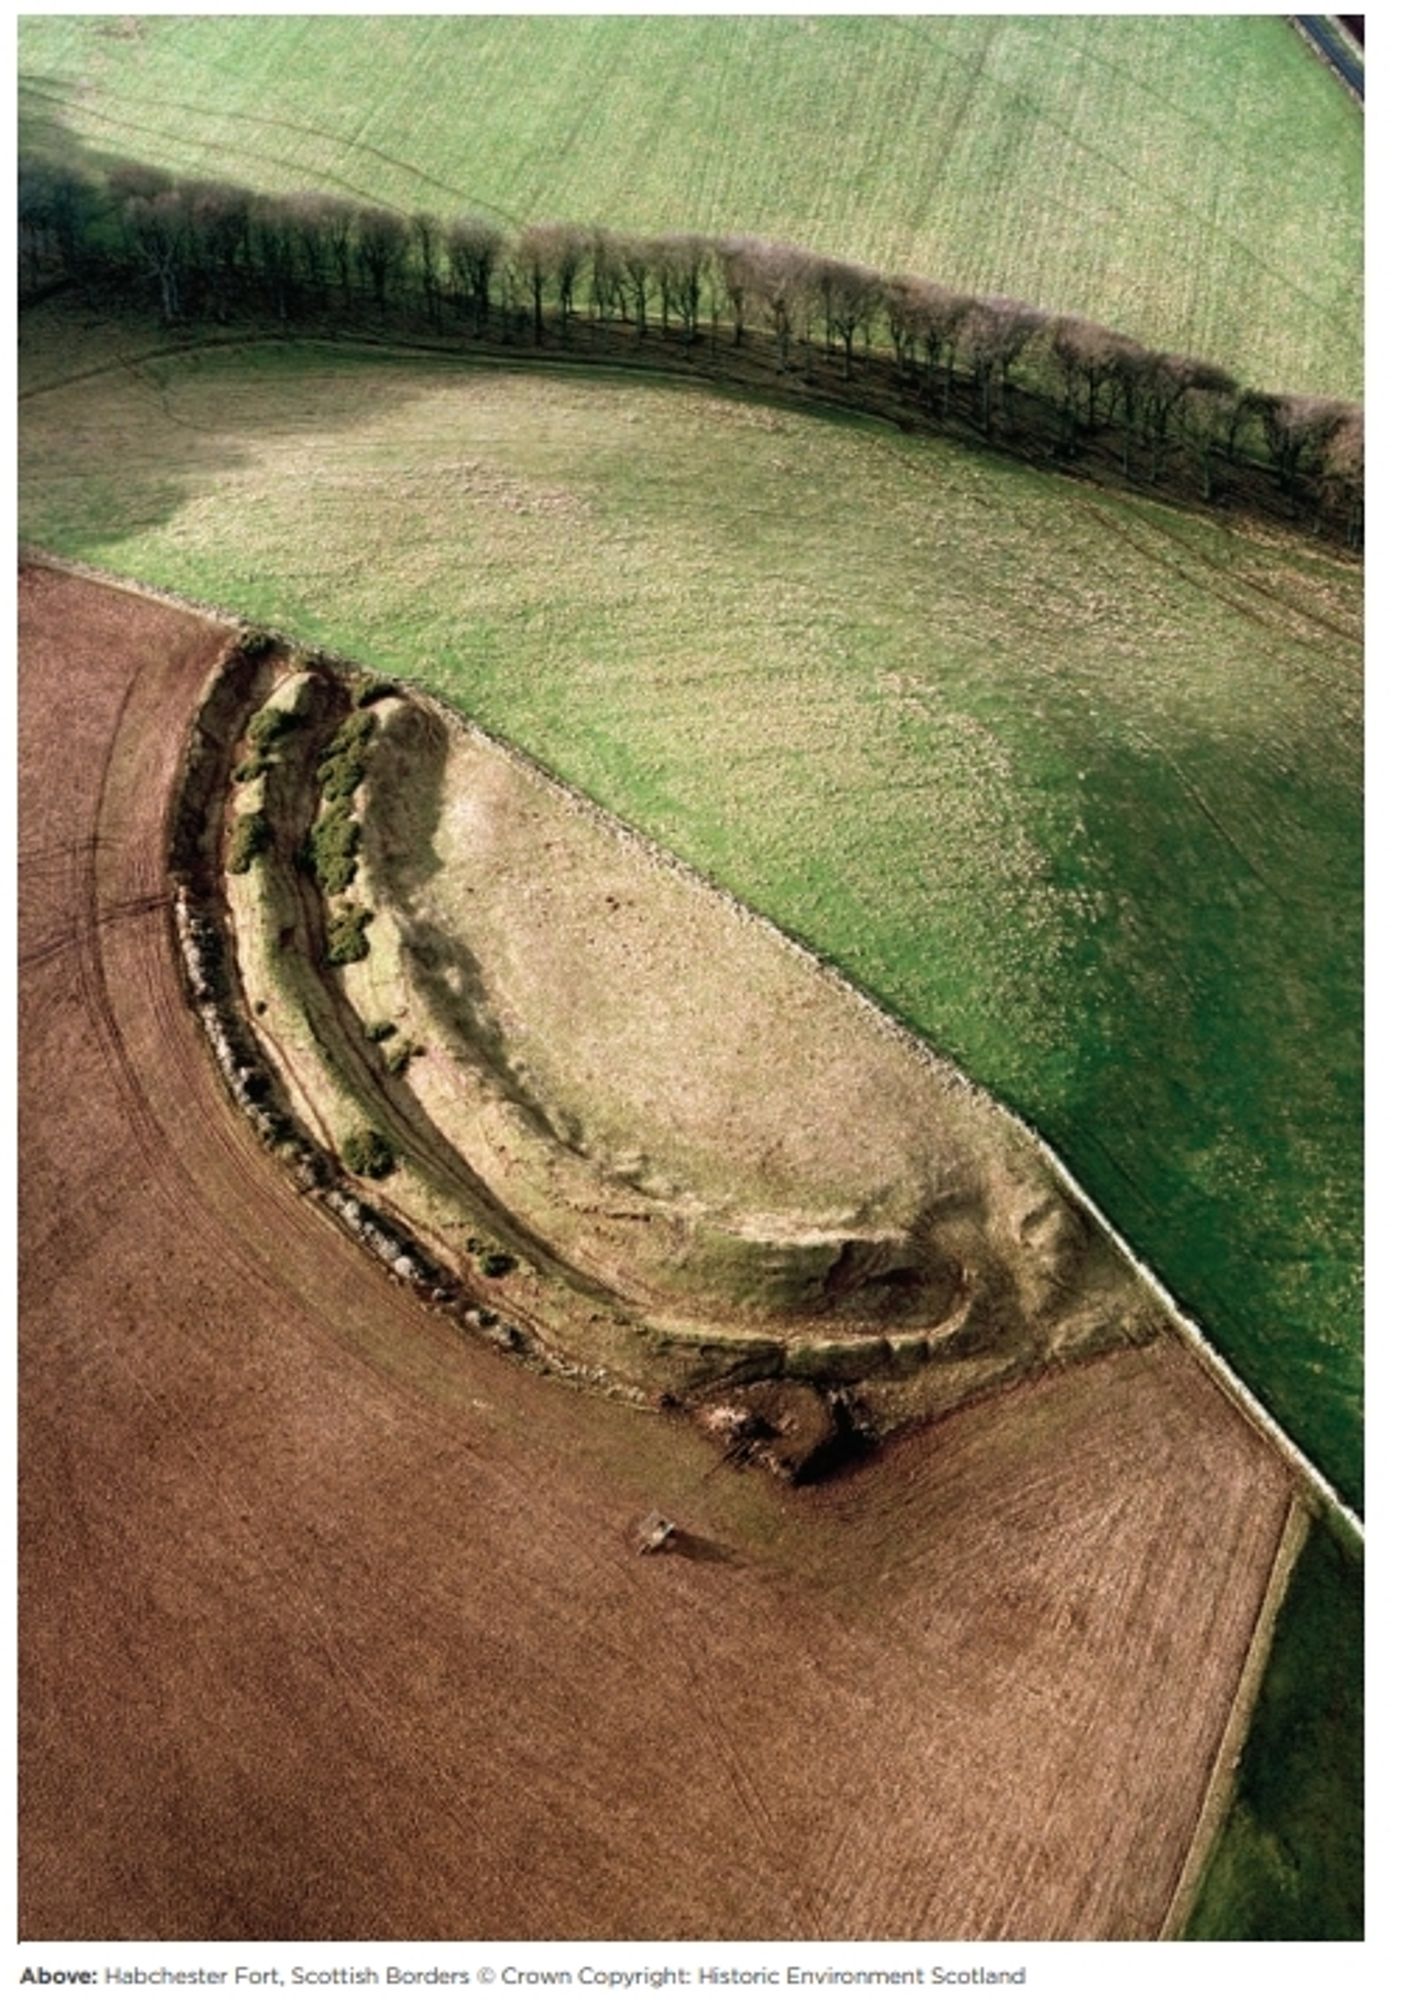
(1333, 51)
(1323, 1496)
(1221, 1783)
(1321, 1491)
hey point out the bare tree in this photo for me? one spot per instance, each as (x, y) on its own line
(1242, 419)
(1170, 380)
(778, 279)
(1343, 473)
(380, 249)
(735, 255)
(474, 248)
(158, 227)
(426, 234)
(220, 225)
(571, 252)
(659, 250)
(308, 219)
(1078, 362)
(1298, 430)
(639, 261)
(942, 316)
(1203, 418)
(57, 211)
(681, 273)
(606, 277)
(901, 306)
(994, 333)
(274, 244)
(1128, 366)
(851, 295)
(535, 257)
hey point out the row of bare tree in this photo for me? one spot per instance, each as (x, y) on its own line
(211, 249)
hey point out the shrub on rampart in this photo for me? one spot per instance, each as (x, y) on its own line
(332, 848)
(341, 767)
(269, 725)
(250, 836)
(346, 938)
(367, 1152)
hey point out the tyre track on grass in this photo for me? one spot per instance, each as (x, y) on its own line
(342, 140)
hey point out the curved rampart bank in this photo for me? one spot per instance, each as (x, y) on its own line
(617, 1112)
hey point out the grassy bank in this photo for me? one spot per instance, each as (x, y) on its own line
(1195, 181)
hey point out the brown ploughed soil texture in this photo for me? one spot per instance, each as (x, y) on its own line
(331, 1620)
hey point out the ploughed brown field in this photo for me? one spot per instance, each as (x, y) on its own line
(332, 1624)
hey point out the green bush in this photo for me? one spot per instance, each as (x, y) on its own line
(346, 941)
(340, 778)
(250, 767)
(351, 734)
(366, 691)
(396, 1059)
(269, 725)
(496, 1263)
(332, 850)
(251, 836)
(253, 643)
(368, 1153)
(341, 767)
(380, 1031)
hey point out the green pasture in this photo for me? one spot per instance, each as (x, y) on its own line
(1289, 1862)
(1196, 181)
(1068, 779)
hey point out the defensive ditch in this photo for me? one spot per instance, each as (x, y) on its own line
(576, 1098)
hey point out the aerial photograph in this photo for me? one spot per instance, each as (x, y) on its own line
(690, 862)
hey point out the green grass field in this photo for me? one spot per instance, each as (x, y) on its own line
(1196, 181)
(1289, 1861)
(1070, 780)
